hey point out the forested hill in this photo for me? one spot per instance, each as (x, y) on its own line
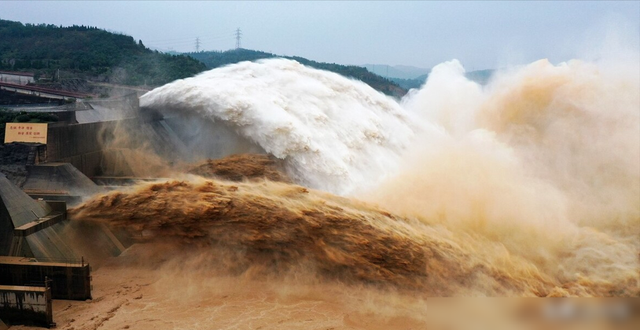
(88, 53)
(216, 59)
(69, 56)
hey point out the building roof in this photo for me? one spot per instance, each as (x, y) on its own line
(45, 90)
(16, 73)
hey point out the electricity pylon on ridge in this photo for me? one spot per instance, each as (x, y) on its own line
(238, 36)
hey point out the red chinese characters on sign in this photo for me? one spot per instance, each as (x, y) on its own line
(25, 132)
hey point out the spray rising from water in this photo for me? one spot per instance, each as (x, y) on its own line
(529, 185)
(544, 162)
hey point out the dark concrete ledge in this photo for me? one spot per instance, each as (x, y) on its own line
(37, 225)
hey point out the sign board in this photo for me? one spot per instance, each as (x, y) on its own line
(25, 132)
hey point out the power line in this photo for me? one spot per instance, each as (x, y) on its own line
(198, 45)
(189, 38)
(238, 36)
(189, 41)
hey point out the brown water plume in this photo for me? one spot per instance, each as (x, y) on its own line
(542, 164)
(267, 226)
(242, 166)
(528, 186)
(280, 230)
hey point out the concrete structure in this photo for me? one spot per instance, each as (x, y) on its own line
(36, 240)
(105, 148)
(39, 229)
(33, 245)
(69, 280)
(109, 132)
(18, 78)
(58, 181)
(41, 92)
(26, 305)
(117, 108)
(29, 228)
(63, 110)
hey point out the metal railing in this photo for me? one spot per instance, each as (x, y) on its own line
(68, 261)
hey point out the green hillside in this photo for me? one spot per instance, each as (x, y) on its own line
(68, 57)
(216, 59)
(89, 53)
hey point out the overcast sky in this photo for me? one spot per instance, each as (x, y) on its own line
(480, 34)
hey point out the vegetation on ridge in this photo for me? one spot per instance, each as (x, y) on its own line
(89, 53)
(65, 57)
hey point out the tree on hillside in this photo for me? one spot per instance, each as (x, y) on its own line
(87, 52)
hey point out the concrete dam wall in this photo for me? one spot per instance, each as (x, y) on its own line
(26, 305)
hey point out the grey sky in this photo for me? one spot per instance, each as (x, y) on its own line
(479, 34)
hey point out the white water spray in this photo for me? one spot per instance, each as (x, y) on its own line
(334, 133)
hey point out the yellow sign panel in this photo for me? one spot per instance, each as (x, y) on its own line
(25, 132)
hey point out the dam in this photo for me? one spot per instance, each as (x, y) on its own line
(85, 154)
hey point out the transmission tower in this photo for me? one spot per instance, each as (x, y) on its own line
(238, 36)
(197, 45)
